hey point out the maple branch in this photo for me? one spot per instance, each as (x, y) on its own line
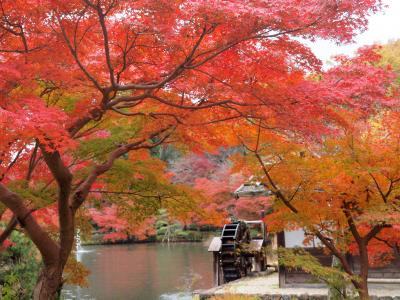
(74, 53)
(350, 222)
(175, 117)
(200, 106)
(325, 240)
(172, 75)
(60, 172)
(127, 113)
(98, 112)
(12, 163)
(238, 41)
(124, 193)
(88, 131)
(391, 186)
(375, 230)
(12, 224)
(83, 189)
(94, 114)
(258, 137)
(213, 77)
(215, 121)
(103, 26)
(295, 192)
(378, 187)
(47, 247)
(32, 162)
(129, 104)
(395, 246)
(64, 179)
(251, 118)
(20, 33)
(361, 241)
(130, 99)
(125, 50)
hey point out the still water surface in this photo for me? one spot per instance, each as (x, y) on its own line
(143, 271)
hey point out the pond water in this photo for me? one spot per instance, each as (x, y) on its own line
(143, 271)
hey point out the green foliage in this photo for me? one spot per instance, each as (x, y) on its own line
(171, 228)
(36, 194)
(119, 132)
(188, 235)
(167, 153)
(146, 191)
(298, 258)
(390, 54)
(173, 231)
(19, 268)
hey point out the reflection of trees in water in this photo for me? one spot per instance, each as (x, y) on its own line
(188, 264)
(145, 271)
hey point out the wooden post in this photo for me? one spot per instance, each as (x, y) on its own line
(281, 269)
(216, 276)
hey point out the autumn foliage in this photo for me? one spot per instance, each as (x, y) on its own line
(340, 187)
(88, 87)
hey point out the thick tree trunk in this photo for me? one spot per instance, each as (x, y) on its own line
(49, 283)
(363, 290)
(364, 268)
(362, 284)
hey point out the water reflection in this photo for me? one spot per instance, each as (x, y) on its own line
(143, 271)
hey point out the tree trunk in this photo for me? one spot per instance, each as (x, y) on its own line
(363, 290)
(49, 284)
(364, 268)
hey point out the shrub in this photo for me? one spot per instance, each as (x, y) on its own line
(19, 267)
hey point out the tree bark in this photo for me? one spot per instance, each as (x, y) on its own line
(47, 247)
(50, 279)
(364, 268)
(49, 283)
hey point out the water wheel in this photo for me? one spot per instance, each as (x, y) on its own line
(233, 263)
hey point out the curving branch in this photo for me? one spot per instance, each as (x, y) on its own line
(280, 196)
(12, 224)
(63, 178)
(178, 70)
(82, 191)
(48, 248)
(74, 53)
(101, 15)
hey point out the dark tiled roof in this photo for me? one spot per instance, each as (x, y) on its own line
(252, 189)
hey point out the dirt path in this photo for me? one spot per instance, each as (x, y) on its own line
(268, 286)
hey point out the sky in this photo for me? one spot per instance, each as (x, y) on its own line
(383, 27)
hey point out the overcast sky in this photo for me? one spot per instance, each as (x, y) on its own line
(383, 27)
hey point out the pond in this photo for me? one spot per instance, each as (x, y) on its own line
(143, 271)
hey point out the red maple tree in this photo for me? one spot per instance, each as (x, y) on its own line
(147, 72)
